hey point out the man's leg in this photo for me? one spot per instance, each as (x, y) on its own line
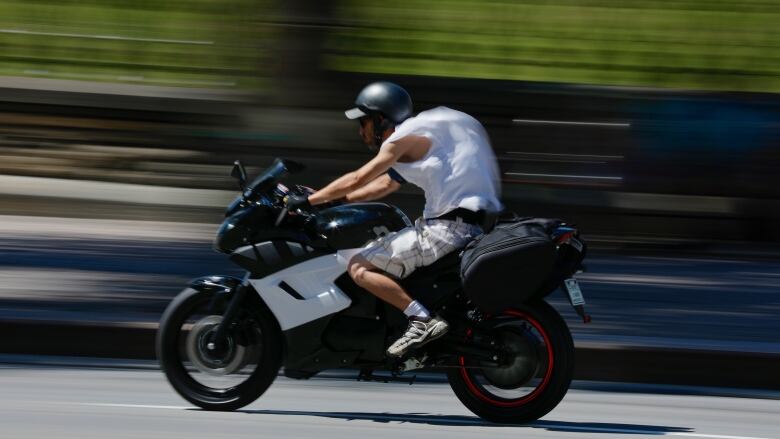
(422, 326)
(366, 275)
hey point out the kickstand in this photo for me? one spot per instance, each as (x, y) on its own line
(409, 380)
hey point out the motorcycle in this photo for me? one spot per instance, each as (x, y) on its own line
(223, 340)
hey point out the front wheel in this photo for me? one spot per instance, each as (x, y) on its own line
(536, 373)
(226, 377)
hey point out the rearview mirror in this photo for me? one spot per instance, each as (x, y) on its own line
(293, 167)
(239, 173)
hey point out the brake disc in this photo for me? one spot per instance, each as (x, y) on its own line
(229, 360)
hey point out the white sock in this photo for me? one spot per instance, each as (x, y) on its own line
(416, 309)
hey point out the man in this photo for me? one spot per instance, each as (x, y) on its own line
(446, 153)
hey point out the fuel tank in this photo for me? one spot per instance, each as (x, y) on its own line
(354, 225)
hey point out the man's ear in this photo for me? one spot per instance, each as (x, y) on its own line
(385, 124)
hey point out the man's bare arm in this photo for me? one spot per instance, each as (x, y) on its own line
(380, 187)
(387, 156)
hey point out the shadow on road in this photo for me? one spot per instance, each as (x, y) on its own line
(456, 420)
(600, 427)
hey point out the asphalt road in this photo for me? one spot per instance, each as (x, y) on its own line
(127, 271)
(98, 403)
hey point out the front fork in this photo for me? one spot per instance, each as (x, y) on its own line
(232, 289)
(218, 337)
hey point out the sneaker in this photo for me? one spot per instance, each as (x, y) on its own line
(417, 334)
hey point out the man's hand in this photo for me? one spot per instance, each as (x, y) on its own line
(298, 202)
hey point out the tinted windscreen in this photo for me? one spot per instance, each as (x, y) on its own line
(267, 179)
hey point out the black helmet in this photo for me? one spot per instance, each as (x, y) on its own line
(389, 99)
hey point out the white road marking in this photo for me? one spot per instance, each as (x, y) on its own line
(595, 177)
(638, 431)
(718, 436)
(568, 122)
(103, 37)
(433, 419)
(138, 406)
(589, 156)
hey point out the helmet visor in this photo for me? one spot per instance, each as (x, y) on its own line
(355, 113)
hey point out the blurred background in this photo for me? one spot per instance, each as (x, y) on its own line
(654, 125)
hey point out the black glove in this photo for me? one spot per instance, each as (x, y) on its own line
(298, 202)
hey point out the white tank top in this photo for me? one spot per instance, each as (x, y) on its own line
(459, 170)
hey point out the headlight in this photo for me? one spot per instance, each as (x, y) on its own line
(234, 205)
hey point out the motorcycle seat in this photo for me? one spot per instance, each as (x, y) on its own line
(432, 283)
(450, 262)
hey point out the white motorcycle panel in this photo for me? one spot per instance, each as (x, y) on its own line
(314, 281)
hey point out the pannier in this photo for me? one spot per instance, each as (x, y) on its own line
(512, 263)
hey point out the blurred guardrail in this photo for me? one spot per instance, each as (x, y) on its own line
(619, 161)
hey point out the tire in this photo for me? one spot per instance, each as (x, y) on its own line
(264, 347)
(548, 342)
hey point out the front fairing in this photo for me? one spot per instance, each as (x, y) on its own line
(240, 226)
(234, 206)
(255, 222)
(249, 217)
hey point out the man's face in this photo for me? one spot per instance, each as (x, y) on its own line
(366, 131)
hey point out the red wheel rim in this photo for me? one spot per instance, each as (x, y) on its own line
(481, 394)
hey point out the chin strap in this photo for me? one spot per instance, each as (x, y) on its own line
(380, 126)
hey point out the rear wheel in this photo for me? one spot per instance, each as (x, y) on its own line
(223, 377)
(537, 369)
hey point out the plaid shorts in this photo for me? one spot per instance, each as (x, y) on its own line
(400, 253)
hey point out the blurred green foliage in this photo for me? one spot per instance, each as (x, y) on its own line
(694, 44)
(167, 42)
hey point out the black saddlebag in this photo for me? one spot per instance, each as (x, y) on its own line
(510, 264)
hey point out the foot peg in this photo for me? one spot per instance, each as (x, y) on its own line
(412, 363)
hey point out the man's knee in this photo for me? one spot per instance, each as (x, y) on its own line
(358, 267)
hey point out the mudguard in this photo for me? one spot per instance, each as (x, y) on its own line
(223, 288)
(219, 284)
